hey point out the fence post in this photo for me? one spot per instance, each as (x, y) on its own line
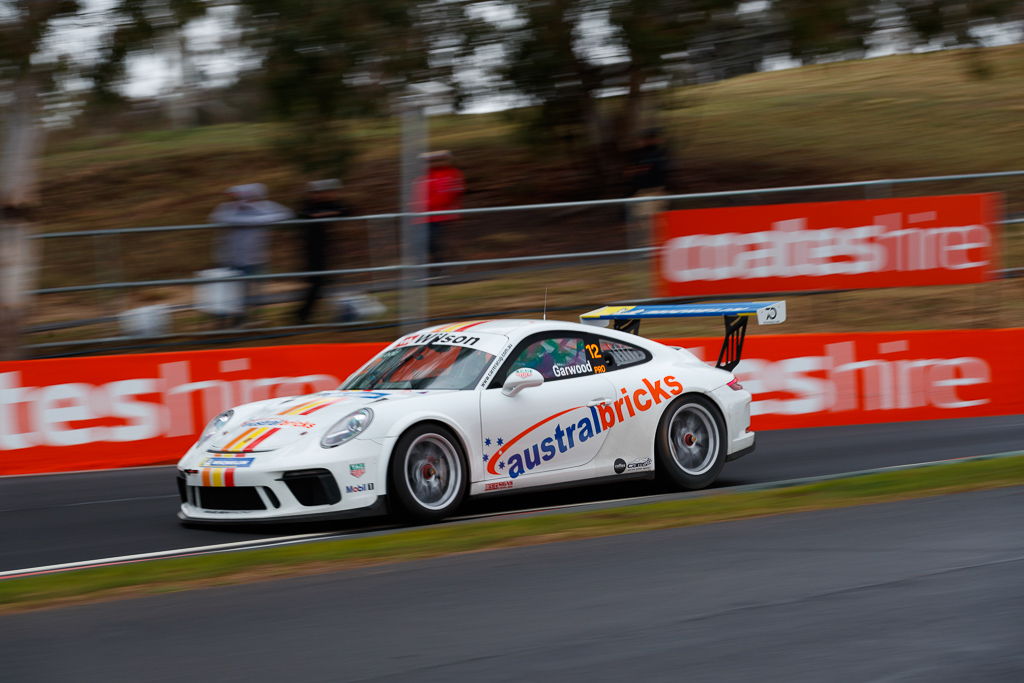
(103, 299)
(413, 294)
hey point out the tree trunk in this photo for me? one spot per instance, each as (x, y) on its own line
(20, 144)
(632, 112)
(17, 266)
(183, 106)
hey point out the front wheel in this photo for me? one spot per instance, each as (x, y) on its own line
(691, 443)
(427, 474)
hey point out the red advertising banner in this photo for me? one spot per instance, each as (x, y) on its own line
(819, 380)
(827, 245)
(70, 414)
(120, 411)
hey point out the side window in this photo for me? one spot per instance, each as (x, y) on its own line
(554, 358)
(619, 354)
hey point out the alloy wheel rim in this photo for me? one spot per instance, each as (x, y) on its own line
(433, 471)
(693, 439)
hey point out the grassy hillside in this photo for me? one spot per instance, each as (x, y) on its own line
(896, 116)
(912, 115)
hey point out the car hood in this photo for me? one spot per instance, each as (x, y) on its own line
(276, 424)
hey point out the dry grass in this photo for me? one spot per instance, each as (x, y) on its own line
(912, 115)
(895, 116)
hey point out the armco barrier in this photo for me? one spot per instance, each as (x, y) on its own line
(120, 411)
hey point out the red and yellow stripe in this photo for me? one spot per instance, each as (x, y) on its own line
(250, 439)
(459, 327)
(311, 406)
(218, 476)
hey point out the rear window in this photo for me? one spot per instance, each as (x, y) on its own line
(619, 354)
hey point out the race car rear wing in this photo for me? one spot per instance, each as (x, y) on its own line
(627, 319)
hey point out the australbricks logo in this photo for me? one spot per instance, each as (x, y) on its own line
(551, 437)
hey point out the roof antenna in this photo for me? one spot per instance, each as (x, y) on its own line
(545, 303)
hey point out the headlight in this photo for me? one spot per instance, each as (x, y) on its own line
(347, 428)
(216, 424)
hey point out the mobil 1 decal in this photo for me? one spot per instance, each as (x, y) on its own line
(557, 435)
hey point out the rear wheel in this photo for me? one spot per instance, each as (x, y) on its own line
(427, 472)
(691, 443)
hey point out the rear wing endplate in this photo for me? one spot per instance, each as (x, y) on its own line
(627, 319)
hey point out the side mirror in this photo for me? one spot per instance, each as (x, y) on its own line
(521, 379)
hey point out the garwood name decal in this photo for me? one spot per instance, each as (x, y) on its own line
(584, 368)
(544, 442)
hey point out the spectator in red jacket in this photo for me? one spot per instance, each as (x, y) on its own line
(440, 189)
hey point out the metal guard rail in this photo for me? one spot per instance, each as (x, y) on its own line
(551, 205)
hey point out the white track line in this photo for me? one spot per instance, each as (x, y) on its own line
(195, 550)
(246, 545)
(287, 540)
(132, 468)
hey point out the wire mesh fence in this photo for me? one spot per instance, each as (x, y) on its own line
(500, 260)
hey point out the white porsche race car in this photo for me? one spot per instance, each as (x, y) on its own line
(481, 408)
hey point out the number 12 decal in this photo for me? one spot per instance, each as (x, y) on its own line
(594, 350)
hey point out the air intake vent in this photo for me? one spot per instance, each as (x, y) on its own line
(313, 487)
(182, 488)
(229, 498)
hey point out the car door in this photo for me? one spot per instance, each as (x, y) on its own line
(640, 395)
(548, 433)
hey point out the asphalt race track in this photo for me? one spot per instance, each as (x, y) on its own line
(926, 590)
(56, 519)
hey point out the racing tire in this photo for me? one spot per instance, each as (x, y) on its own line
(427, 474)
(690, 446)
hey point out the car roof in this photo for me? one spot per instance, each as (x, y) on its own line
(517, 328)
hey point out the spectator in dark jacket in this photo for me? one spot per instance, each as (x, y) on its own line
(648, 177)
(321, 201)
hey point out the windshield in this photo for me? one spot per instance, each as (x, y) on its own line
(423, 367)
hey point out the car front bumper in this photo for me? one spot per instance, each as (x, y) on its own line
(282, 486)
(378, 508)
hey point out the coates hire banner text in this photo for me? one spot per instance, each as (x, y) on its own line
(118, 411)
(827, 245)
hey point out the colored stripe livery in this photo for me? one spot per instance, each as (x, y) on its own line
(311, 406)
(250, 439)
(767, 312)
(459, 327)
(217, 476)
